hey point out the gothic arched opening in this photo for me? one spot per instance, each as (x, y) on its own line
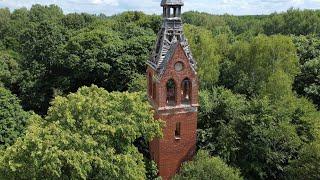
(186, 91)
(171, 93)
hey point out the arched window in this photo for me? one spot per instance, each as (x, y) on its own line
(171, 93)
(150, 84)
(186, 91)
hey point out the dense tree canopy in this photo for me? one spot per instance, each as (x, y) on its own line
(308, 164)
(85, 135)
(13, 119)
(60, 53)
(260, 94)
(258, 136)
(9, 68)
(252, 64)
(205, 167)
(308, 82)
(205, 49)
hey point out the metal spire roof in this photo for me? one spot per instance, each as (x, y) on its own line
(169, 37)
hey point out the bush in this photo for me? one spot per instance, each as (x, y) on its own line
(206, 167)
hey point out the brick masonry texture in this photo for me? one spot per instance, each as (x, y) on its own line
(169, 152)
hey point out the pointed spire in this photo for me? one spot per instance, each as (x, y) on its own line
(170, 36)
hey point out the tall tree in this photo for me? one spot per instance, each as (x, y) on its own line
(260, 136)
(88, 134)
(205, 167)
(10, 69)
(252, 63)
(13, 119)
(307, 83)
(308, 165)
(205, 51)
(42, 65)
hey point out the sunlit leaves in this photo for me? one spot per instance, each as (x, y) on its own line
(204, 166)
(88, 134)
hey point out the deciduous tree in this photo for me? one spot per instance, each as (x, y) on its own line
(204, 166)
(88, 134)
(13, 119)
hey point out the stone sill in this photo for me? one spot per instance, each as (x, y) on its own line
(178, 107)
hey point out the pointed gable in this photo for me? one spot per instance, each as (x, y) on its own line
(173, 49)
(170, 35)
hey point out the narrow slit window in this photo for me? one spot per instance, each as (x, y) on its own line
(177, 132)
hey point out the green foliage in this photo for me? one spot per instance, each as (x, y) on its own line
(294, 21)
(219, 107)
(152, 170)
(41, 46)
(139, 18)
(77, 21)
(308, 165)
(203, 19)
(4, 20)
(255, 123)
(9, 68)
(259, 136)
(88, 134)
(311, 78)
(308, 47)
(60, 53)
(205, 51)
(39, 13)
(108, 58)
(252, 64)
(205, 167)
(13, 119)
(278, 86)
(138, 83)
(308, 82)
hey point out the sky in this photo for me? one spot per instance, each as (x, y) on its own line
(110, 7)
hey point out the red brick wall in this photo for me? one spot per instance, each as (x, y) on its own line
(173, 152)
(170, 152)
(178, 77)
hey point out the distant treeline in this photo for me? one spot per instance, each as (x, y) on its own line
(294, 21)
(259, 95)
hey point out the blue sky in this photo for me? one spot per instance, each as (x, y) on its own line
(109, 7)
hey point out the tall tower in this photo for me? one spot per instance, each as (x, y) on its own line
(173, 92)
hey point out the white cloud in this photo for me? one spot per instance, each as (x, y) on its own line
(109, 2)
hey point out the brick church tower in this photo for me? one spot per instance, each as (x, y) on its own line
(173, 92)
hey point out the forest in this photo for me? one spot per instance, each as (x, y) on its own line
(73, 99)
